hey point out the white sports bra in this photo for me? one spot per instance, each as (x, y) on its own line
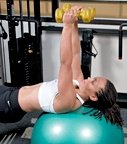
(77, 95)
(47, 93)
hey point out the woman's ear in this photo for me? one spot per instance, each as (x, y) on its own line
(93, 98)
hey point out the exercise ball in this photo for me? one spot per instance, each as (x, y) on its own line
(75, 128)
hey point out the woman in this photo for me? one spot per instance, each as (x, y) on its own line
(70, 90)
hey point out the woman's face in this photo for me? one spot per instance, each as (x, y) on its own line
(88, 87)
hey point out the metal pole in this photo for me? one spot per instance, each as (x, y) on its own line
(121, 39)
(86, 46)
(38, 32)
(12, 43)
(55, 5)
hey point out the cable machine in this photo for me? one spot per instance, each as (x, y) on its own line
(25, 51)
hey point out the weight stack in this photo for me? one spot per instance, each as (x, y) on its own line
(25, 61)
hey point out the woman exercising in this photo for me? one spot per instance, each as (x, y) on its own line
(69, 91)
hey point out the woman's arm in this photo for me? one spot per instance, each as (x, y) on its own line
(66, 98)
(76, 65)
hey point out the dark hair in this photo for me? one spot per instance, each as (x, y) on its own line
(106, 104)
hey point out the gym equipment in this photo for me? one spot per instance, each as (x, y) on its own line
(86, 52)
(87, 15)
(66, 7)
(77, 127)
(121, 39)
(24, 51)
(55, 5)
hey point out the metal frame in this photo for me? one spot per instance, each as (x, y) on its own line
(18, 61)
(1, 62)
(121, 39)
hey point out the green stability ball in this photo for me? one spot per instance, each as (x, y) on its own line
(75, 128)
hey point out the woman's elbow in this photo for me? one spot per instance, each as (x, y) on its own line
(69, 107)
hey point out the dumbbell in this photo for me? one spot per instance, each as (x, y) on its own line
(60, 12)
(87, 15)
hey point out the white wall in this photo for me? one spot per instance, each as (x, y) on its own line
(105, 64)
(50, 53)
(5, 56)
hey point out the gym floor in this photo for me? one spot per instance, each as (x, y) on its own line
(20, 132)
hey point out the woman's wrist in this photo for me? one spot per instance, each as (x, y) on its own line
(68, 25)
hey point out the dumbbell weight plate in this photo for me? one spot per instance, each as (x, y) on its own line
(59, 15)
(86, 16)
(66, 7)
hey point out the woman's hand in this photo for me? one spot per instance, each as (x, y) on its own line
(76, 10)
(70, 17)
